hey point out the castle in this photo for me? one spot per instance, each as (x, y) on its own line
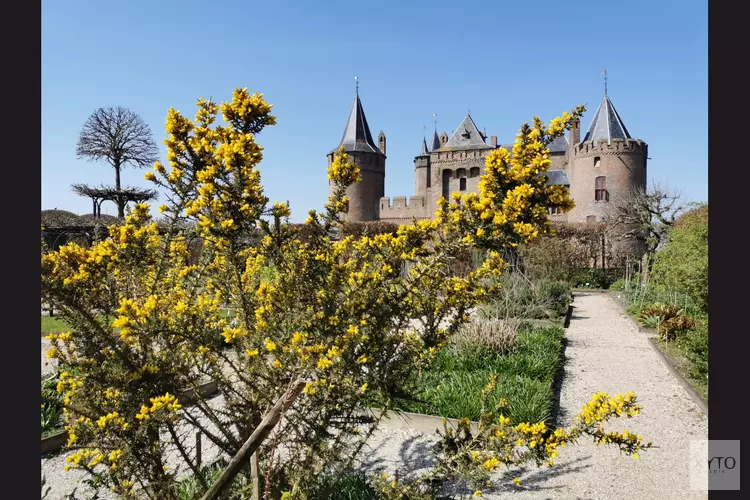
(598, 170)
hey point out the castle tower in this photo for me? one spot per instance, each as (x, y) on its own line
(457, 165)
(605, 166)
(422, 180)
(364, 196)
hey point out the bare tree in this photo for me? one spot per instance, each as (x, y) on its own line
(647, 215)
(120, 137)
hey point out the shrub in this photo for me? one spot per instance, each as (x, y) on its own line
(682, 265)
(672, 328)
(618, 285)
(669, 319)
(338, 318)
(595, 278)
(359, 229)
(695, 343)
(52, 405)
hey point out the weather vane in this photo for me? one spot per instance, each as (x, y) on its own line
(423, 134)
(434, 119)
(605, 81)
(356, 80)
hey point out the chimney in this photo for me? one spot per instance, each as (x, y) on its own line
(493, 141)
(575, 132)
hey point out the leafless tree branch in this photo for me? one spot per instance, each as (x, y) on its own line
(119, 137)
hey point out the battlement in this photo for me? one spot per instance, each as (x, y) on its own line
(401, 207)
(616, 146)
(400, 202)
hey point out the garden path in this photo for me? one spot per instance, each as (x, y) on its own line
(605, 352)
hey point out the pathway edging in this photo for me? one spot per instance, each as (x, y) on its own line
(653, 338)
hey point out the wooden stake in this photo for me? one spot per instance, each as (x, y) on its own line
(254, 441)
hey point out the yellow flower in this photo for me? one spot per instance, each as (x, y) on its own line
(517, 481)
(363, 388)
(477, 494)
(251, 352)
(270, 345)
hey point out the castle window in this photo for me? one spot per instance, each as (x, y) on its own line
(447, 174)
(597, 161)
(462, 184)
(429, 175)
(554, 210)
(600, 189)
(591, 218)
(474, 172)
(461, 172)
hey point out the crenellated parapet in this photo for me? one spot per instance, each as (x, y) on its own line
(403, 208)
(612, 147)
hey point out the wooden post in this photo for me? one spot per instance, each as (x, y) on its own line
(255, 476)
(198, 450)
(254, 441)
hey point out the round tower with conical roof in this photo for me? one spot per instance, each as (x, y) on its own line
(364, 196)
(422, 171)
(605, 166)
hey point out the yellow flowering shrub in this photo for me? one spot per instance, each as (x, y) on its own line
(352, 317)
(468, 457)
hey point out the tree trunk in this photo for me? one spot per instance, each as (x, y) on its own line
(120, 201)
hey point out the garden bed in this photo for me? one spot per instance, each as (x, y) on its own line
(454, 384)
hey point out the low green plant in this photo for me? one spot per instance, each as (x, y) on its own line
(51, 407)
(618, 285)
(669, 319)
(499, 336)
(650, 320)
(453, 385)
(675, 327)
(522, 298)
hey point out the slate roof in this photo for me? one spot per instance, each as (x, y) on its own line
(559, 145)
(607, 124)
(466, 136)
(435, 141)
(357, 136)
(557, 177)
(425, 151)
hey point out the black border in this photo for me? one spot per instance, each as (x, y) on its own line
(728, 263)
(22, 40)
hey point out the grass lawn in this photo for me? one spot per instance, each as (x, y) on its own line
(57, 325)
(453, 386)
(53, 325)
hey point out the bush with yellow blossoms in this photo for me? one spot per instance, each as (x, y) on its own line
(468, 456)
(353, 318)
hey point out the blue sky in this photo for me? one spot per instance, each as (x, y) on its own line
(505, 61)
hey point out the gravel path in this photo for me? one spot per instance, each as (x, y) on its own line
(605, 352)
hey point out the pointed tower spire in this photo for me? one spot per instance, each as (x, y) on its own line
(606, 124)
(357, 136)
(424, 151)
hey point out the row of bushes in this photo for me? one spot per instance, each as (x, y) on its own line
(675, 299)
